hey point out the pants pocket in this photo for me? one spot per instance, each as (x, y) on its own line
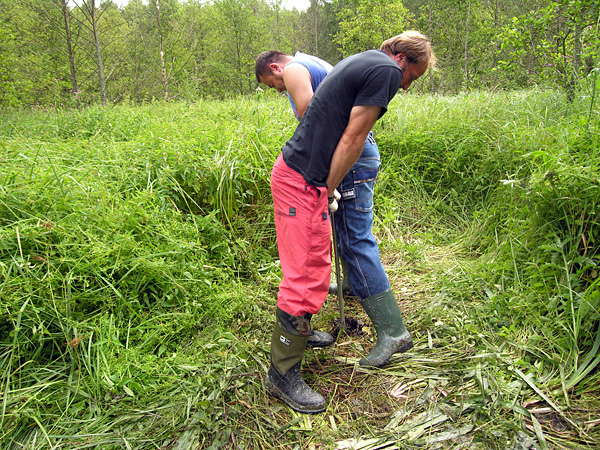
(364, 187)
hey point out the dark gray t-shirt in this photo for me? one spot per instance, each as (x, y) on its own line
(370, 78)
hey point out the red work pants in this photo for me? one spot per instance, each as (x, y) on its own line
(303, 240)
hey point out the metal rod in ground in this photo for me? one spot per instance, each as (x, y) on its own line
(338, 275)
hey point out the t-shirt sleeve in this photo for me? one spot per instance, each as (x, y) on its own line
(379, 87)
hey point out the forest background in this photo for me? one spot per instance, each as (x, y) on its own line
(73, 53)
(138, 260)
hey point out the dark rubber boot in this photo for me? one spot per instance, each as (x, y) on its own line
(346, 290)
(301, 325)
(392, 336)
(284, 379)
(318, 338)
(292, 389)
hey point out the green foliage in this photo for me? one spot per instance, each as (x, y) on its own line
(239, 34)
(519, 182)
(122, 234)
(559, 43)
(462, 160)
(18, 61)
(369, 23)
(138, 272)
(208, 48)
(8, 89)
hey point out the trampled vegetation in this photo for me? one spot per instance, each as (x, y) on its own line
(139, 272)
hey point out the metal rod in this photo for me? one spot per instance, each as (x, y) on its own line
(338, 274)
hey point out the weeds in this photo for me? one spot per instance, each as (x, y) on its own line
(139, 272)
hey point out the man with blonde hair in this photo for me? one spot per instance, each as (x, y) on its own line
(304, 182)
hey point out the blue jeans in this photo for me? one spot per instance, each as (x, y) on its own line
(354, 220)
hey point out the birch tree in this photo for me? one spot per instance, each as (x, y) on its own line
(163, 69)
(93, 16)
(66, 13)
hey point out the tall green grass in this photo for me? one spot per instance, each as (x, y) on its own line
(117, 242)
(515, 176)
(139, 271)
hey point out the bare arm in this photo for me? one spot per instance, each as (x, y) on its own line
(299, 86)
(350, 145)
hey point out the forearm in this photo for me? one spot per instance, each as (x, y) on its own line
(346, 153)
(350, 145)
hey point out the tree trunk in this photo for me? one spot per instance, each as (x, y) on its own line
(496, 49)
(162, 53)
(467, 45)
(98, 54)
(315, 5)
(135, 55)
(430, 36)
(75, 84)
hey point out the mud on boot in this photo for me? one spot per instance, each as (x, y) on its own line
(292, 389)
(284, 380)
(317, 338)
(392, 335)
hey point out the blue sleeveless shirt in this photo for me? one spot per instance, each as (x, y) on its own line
(317, 68)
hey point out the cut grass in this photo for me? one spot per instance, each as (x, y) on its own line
(139, 277)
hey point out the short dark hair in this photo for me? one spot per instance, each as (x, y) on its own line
(261, 65)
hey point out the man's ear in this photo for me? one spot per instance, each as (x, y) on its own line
(399, 57)
(275, 67)
(401, 60)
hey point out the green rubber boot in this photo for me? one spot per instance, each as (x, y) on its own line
(301, 324)
(284, 379)
(392, 335)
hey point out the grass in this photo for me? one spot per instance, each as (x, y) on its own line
(139, 276)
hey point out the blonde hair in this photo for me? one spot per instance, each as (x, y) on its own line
(414, 45)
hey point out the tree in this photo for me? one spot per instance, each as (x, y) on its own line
(8, 63)
(66, 13)
(36, 39)
(365, 24)
(132, 16)
(162, 51)
(463, 33)
(162, 48)
(170, 49)
(54, 25)
(238, 32)
(93, 16)
(320, 24)
(551, 44)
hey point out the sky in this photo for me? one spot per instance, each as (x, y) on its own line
(298, 4)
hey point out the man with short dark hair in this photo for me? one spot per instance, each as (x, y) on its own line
(299, 75)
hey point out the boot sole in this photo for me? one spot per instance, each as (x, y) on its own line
(319, 344)
(406, 346)
(275, 392)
